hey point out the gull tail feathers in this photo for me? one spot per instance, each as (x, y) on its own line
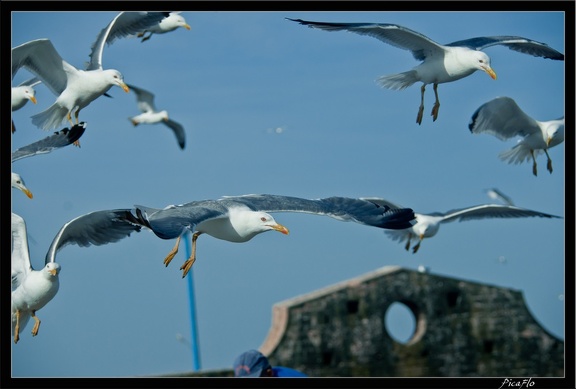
(517, 155)
(50, 118)
(398, 81)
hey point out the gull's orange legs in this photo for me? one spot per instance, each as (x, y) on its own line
(190, 261)
(36, 325)
(534, 168)
(436, 106)
(172, 252)
(17, 328)
(421, 109)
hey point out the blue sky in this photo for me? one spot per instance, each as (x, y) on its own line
(270, 106)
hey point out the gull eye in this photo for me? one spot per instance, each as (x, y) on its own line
(263, 218)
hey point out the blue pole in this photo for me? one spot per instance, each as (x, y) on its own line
(193, 324)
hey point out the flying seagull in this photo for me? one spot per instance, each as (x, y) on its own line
(503, 118)
(240, 218)
(150, 115)
(170, 23)
(33, 289)
(23, 93)
(427, 225)
(75, 89)
(440, 63)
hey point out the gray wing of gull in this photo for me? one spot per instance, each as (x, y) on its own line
(53, 142)
(485, 211)
(95, 228)
(503, 118)
(402, 37)
(41, 59)
(144, 99)
(178, 131)
(516, 43)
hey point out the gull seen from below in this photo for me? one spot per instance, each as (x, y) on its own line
(33, 289)
(440, 63)
(150, 115)
(240, 218)
(503, 118)
(173, 21)
(427, 225)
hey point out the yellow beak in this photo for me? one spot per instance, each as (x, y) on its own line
(490, 72)
(33, 99)
(28, 193)
(281, 228)
(125, 87)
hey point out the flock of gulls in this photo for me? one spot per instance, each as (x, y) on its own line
(241, 218)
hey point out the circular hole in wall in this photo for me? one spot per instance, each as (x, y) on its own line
(400, 322)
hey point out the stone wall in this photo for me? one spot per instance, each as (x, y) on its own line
(463, 329)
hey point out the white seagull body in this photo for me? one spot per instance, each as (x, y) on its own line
(240, 218)
(504, 119)
(33, 289)
(75, 89)
(150, 115)
(427, 225)
(440, 63)
(170, 23)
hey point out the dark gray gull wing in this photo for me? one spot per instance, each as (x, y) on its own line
(516, 43)
(404, 38)
(341, 208)
(41, 58)
(381, 201)
(55, 141)
(95, 228)
(503, 118)
(178, 132)
(123, 25)
(485, 211)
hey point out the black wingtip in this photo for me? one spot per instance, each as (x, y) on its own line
(399, 219)
(472, 123)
